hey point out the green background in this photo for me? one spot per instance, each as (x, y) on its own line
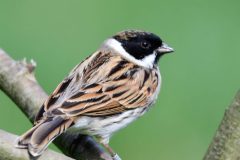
(199, 80)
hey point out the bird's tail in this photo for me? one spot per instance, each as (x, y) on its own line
(42, 134)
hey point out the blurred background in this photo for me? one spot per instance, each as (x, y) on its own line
(199, 80)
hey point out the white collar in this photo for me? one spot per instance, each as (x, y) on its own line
(116, 46)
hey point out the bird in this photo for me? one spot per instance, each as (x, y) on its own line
(104, 93)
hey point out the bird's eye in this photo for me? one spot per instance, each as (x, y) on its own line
(145, 45)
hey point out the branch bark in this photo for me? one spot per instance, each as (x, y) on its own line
(226, 143)
(8, 152)
(17, 80)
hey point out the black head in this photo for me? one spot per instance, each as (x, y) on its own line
(141, 44)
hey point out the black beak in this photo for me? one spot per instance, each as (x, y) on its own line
(164, 49)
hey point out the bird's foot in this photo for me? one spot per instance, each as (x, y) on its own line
(116, 157)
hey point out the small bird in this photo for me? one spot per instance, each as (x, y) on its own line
(103, 94)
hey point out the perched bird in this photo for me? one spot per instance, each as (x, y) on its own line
(104, 93)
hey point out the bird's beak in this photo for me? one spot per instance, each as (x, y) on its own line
(164, 49)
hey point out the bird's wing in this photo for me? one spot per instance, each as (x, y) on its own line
(108, 88)
(103, 99)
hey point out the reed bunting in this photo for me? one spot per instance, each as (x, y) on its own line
(104, 93)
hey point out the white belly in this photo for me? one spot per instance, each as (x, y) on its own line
(106, 126)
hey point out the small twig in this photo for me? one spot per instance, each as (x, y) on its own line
(18, 82)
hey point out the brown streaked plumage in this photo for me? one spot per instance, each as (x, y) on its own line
(102, 94)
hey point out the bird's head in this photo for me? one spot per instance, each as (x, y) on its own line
(140, 47)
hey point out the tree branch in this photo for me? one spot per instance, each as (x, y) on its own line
(17, 80)
(8, 152)
(226, 143)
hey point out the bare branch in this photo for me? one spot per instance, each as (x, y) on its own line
(17, 80)
(226, 143)
(9, 152)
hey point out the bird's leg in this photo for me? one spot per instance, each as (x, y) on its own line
(114, 155)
